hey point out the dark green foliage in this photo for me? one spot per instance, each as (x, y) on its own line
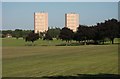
(98, 33)
(3, 36)
(54, 32)
(16, 33)
(84, 33)
(119, 29)
(112, 29)
(42, 35)
(66, 34)
(7, 32)
(108, 29)
(47, 37)
(32, 37)
(50, 34)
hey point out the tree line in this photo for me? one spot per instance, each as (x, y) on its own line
(17, 33)
(29, 35)
(97, 34)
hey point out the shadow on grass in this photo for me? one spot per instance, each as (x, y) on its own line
(30, 44)
(69, 44)
(86, 76)
(79, 76)
(80, 44)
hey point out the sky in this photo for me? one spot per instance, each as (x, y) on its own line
(20, 15)
(59, 0)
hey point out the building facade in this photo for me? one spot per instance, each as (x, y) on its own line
(72, 21)
(40, 22)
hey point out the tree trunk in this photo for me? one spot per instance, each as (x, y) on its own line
(17, 38)
(103, 42)
(68, 41)
(112, 40)
(85, 42)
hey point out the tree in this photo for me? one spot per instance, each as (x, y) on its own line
(18, 33)
(82, 33)
(119, 29)
(54, 32)
(32, 37)
(99, 30)
(112, 29)
(25, 33)
(107, 29)
(47, 37)
(3, 36)
(76, 37)
(66, 34)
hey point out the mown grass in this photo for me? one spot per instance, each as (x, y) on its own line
(36, 61)
(51, 60)
(21, 42)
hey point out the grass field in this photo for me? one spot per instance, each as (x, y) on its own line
(20, 42)
(33, 61)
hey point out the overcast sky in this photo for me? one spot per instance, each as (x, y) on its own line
(19, 15)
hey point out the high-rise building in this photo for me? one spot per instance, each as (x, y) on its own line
(40, 22)
(72, 21)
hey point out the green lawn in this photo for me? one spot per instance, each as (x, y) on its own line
(21, 42)
(23, 61)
